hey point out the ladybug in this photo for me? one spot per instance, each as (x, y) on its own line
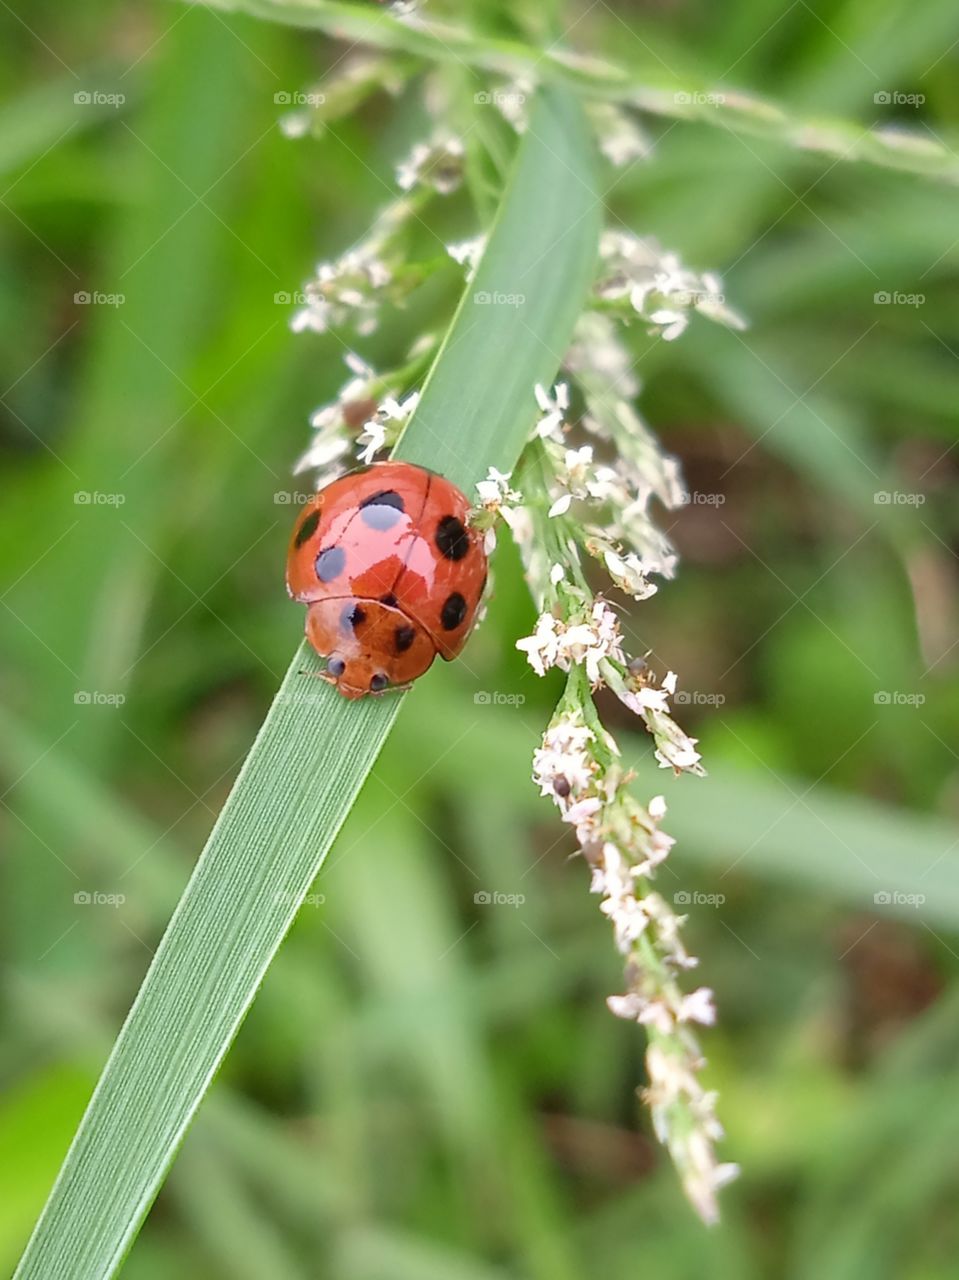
(390, 572)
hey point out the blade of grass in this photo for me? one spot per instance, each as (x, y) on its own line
(314, 750)
(734, 110)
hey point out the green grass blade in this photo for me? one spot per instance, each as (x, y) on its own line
(314, 750)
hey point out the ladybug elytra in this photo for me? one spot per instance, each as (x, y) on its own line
(390, 572)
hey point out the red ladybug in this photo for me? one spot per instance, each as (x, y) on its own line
(391, 573)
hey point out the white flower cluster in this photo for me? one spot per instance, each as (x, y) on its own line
(640, 278)
(437, 164)
(468, 253)
(384, 428)
(335, 425)
(621, 139)
(354, 79)
(559, 643)
(621, 534)
(594, 641)
(347, 291)
(365, 415)
(577, 767)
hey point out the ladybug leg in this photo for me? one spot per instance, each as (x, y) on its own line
(395, 688)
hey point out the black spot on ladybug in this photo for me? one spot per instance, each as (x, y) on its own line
(403, 637)
(453, 612)
(385, 498)
(352, 616)
(382, 510)
(451, 538)
(330, 563)
(336, 667)
(379, 682)
(389, 600)
(307, 528)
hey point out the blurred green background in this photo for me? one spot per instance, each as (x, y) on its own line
(429, 1086)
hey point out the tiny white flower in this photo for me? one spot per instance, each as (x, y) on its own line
(553, 410)
(556, 574)
(629, 1006)
(468, 253)
(561, 505)
(657, 808)
(438, 165)
(542, 648)
(698, 1007)
(495, 492)
(372, 439)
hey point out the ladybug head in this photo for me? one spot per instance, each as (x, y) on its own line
(368, 645)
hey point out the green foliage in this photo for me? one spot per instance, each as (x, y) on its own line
(426, 1085)
(288, 804)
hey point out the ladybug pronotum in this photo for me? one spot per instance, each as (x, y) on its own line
(391, 574)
